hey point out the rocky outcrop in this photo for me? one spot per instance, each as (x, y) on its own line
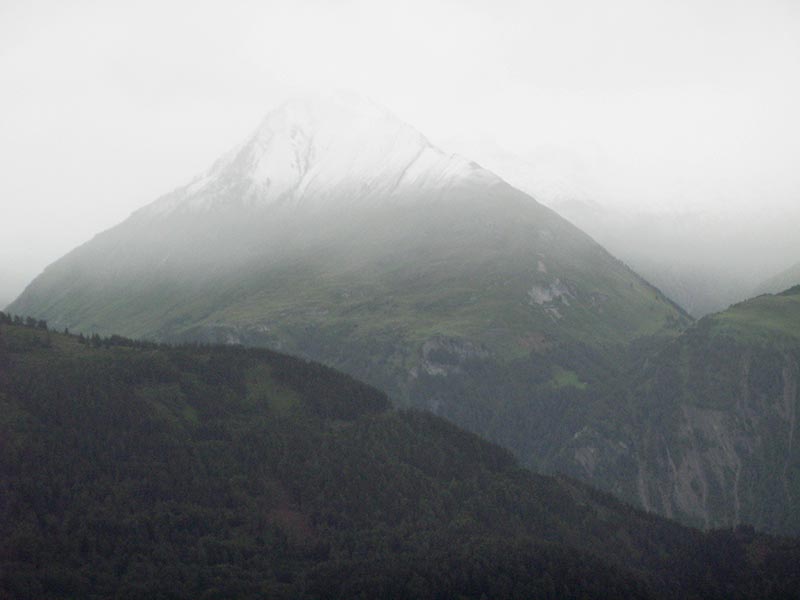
(708, 437)
(447, 356)
(547, 294)
(730, 463)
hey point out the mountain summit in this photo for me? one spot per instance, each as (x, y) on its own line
(323, 151)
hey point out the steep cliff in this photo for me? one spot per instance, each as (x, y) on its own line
(710, 434)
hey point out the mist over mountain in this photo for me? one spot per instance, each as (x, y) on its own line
(12, 281)
(705, 253)
(337, 232)
(318, 152)
(522, 322)
(784, 280)
(341, 184)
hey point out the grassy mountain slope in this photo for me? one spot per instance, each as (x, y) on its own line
(770, 317)
(490, 265)
(483, 306)
(168, 472)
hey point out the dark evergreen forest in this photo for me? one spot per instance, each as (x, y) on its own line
(135, 470)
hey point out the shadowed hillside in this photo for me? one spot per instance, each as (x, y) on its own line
(135, 470)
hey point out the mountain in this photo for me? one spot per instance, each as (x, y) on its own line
(339, 152)
(714, 430)
(339, 233)
(782, 281)
(343, 183)
(135, 470)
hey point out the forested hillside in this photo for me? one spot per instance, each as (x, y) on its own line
(134, 470)
(717, 419)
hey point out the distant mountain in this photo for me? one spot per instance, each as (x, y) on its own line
(680, 253)
(132, 470)
(339, 233)
(12, 280)
(782, 281)
(701, 289)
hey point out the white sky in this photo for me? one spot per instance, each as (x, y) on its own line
(675, 105)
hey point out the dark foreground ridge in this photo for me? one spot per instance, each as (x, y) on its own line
(135, 470)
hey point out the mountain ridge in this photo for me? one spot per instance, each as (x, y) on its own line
(312, 149)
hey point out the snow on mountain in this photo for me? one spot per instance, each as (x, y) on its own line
(315, 150)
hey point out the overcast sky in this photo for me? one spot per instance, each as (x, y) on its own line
(675, 105)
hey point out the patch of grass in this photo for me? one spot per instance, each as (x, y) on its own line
(263, 389)
(764, 318)
(566, 378)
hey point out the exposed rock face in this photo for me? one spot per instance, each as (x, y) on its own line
(732, 463)
(447, 356)
(553, 292)
(710, 440)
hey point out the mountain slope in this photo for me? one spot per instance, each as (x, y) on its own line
(353, 206)
(715, 439)
(137, 470)
(339, 233)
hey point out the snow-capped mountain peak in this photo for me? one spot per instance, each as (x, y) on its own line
(319, 150)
